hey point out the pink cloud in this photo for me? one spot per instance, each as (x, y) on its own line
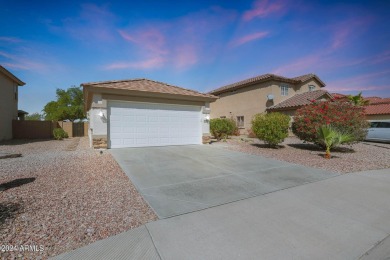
(263, 8)
(340, 38)
(248, 38)
(181, 43)
(380, 58)
(94, 23)
(150, 39)
(347, 31)
(363, 77)
(357, 88)
(360, 82)
(300, 66)
(145, 64)
(10, 39)
(23, 63)
(185, 56)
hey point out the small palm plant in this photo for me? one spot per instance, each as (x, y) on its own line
(330, 137)
(358, 100)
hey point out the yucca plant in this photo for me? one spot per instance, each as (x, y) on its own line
(330, 137)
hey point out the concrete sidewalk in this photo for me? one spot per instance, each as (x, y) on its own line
(345, 217)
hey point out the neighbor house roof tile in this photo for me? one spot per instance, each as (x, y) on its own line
(377, 100)
(299, 100)
(378, 109)
(263, 78)
(146, 85)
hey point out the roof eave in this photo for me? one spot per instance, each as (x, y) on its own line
(88, 91)
(11, 76)
(216, 92)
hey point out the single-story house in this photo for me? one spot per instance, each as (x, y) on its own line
(242, 100)
(143, 112)
(9, 92)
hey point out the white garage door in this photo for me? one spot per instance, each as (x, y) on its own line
(134, 124)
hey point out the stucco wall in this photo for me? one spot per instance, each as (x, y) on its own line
(8, 107)
(378, 117)
(302, 88)
(251, 100)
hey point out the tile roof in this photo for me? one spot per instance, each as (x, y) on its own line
(338, 95)
(5, 72)
(378, 100)
(263, 78)
(372, 99)
(300, 100)
(146, 85)
(378, 109)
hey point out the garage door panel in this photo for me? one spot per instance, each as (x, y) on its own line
(128, 141)
(116, 129)
(128, 129)
(133, 124)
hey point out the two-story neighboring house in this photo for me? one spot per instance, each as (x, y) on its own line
(243, 99)
(9, 84)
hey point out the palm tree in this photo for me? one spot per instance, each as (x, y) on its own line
(330, 137)
(358, 100)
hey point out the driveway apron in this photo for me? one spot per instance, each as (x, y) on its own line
(175, 180)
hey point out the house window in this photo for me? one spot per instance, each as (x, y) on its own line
(312, 88)
(284, 90)
(240, 121)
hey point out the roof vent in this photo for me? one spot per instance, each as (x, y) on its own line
(270, 97)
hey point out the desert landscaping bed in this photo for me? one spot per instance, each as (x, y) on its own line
(62, 195)
(358, 157)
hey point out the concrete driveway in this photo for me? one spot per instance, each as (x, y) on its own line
(176, 180)
(346, 217)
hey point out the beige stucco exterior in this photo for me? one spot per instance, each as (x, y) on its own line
(8, 102)
(98, 99)
(252, 99)
(378, 117)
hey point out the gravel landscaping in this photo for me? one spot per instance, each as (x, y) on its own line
(62, 195)
(358, 157)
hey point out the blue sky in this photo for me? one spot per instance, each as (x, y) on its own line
(200, 45)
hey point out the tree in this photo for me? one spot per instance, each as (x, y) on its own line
(271, 128)
(33, 116)
(358, 100)
(69, 105)
(344, 116)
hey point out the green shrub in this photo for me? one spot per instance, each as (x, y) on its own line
(60, 134)
(271, 128)
(344, 117)
(222, 127)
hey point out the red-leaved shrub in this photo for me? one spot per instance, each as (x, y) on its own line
(345, 117)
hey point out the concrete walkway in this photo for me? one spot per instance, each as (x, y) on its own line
(177, 180)
(345, 217)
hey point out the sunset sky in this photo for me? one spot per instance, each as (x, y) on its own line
(200, 45)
